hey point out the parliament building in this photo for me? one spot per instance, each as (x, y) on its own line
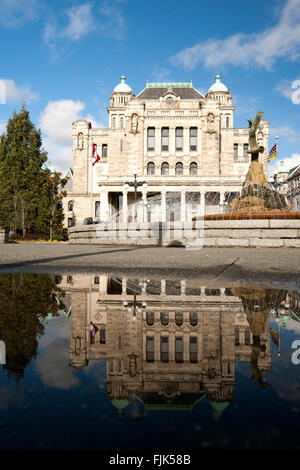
(181, 144)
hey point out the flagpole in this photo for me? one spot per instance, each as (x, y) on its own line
(277, 146)
(91, 196)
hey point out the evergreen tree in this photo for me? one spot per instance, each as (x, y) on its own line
(25, 302)
(29, 191)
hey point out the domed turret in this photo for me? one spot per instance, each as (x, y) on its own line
(218, 91)
(218, 85)
(121, 94)
(122, 87)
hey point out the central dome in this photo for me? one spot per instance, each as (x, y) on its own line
(122, 87)
(218, 85)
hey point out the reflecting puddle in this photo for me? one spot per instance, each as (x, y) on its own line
(92, 361)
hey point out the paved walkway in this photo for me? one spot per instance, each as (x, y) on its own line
(273, 267)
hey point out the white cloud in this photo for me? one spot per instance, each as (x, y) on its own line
(2, 127)
(260, 49)
(161, 74)
(56, 125)
(291, 161)
(286, 132)
(290, 89)
(14, 13)
(15, 93)
(113, 24)
(81, 21)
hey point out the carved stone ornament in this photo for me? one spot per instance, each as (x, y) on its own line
(80, 141)
(210, 122)
(134, 123)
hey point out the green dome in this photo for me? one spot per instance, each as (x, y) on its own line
(120, 405)
(219, 407)
(218, 85)
(282, 168)
(122, 87)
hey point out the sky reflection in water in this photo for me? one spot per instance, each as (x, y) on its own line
(196, 367)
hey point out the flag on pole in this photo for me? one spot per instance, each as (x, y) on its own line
(95, 156)
(93, 331)
(274, 336)
(273, 153)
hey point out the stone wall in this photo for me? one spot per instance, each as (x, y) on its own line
(4, 235)
(210, 233)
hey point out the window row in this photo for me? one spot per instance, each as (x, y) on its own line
(236, 151)
(165, 168)
(114, 122)
(164, 349)
(164, 139)
(164, 318)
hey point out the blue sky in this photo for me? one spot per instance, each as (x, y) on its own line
(64, 58)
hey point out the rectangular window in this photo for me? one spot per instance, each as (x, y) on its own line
(179, 138)
(235, 151)
(193, 139)
(165, 139)
(102, 336)
(70, 222)
(151, 139)
(150, 348)
(97, 209)
(193, 349)
(164, 349)
(96, 280)
(245, 149)
(104, 151)
(178, 349)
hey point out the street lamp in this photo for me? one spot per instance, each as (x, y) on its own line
(134, 306)
(135, 184)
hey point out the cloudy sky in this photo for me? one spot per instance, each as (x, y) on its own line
(63, 58)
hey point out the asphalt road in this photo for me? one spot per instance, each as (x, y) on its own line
(268, 267)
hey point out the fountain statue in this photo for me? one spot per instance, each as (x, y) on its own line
(257, 197)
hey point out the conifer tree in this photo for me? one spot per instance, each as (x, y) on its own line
(29, 191)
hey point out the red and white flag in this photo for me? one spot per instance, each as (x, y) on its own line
(95, 156)
(93, 331)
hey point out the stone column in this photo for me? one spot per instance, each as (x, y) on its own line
(104, 208)
(222, 197)
(163, 206)
(182, 208)
(144, 199)
(125, 208)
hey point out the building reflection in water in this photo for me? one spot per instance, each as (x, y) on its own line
(182, 347)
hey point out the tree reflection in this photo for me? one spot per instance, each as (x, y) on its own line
(25, 301)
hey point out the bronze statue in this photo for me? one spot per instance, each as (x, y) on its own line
(255, 149)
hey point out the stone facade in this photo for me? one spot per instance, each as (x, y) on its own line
(182, 144)
(180, 347)
(287, 182)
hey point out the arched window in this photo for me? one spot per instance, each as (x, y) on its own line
(227, 121)
(165, 168)
(70, 205)
(150, 168)
(164, 318)
(114, 122)
(150, 318)
(122, 122)
(194, 318)
(178, 318)
(179, 168)
(193, 169)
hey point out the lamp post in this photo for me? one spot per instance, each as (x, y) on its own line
(134, 306)
(135, 184)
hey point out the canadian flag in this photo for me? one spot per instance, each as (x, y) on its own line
(93, 331)
(95, 156)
